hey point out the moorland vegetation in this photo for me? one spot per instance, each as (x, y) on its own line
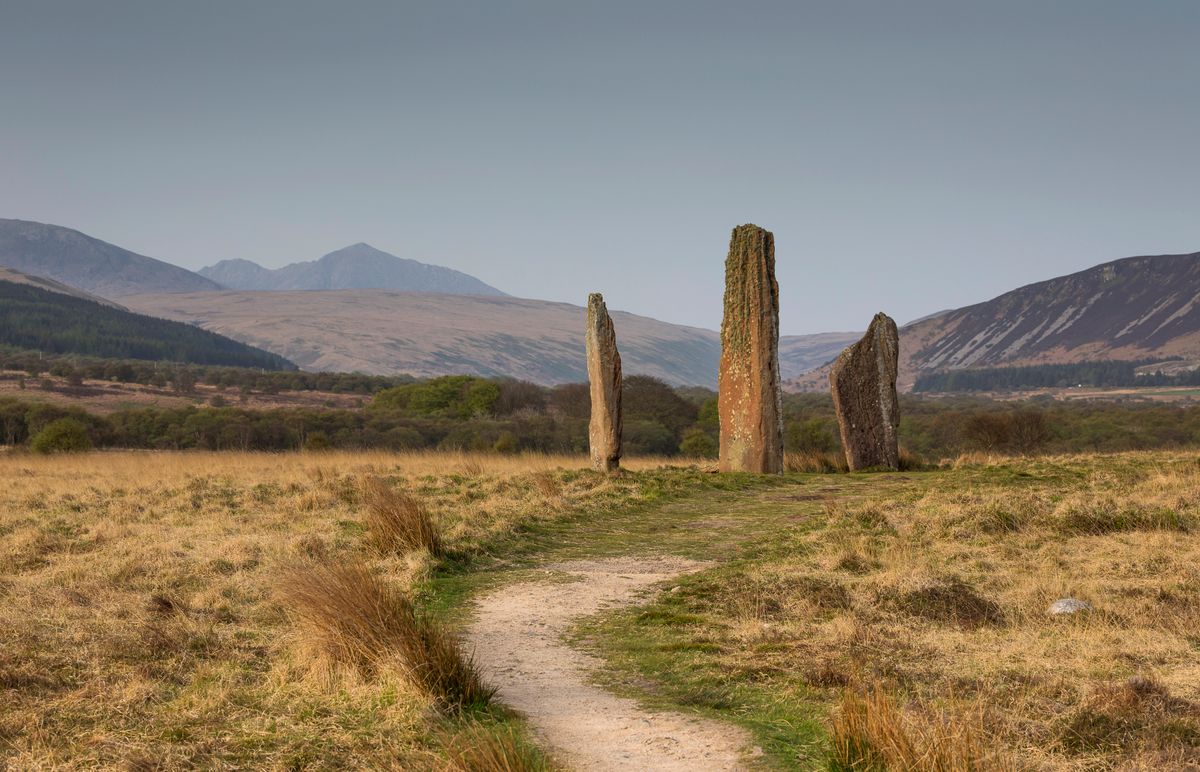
(295, 610)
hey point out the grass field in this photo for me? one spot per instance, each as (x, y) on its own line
(867, 621)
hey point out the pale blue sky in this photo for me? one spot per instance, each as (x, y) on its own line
(909, 156)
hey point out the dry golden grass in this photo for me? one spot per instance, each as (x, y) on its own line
(356, 618)
(834, 461)
(142, 623)
(398, 522)
(815, 461)
(483, 748)
(870, 733)
(939, 591)
(153, 615)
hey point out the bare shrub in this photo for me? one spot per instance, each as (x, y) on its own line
(871, 733)
(397, 522)
(358, 620)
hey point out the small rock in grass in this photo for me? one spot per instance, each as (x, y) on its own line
(1068, 606)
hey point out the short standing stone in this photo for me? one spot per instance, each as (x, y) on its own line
(750, 400)
(604, 376)
(863, 382)
(1068, 606)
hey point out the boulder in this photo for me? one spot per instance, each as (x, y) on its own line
(1067, 607)
(604, 377)
(863, 382)
(750, 399)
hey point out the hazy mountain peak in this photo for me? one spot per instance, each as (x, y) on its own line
(89, 264)
(357, 266)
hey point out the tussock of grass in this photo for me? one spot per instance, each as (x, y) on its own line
(946, 600)
(816, 462)
(1137, 711)
(483, 747)
(397, 522)
(547, 484)
(870, 734)
(1109, 514)
(355, 618)
(913, 462)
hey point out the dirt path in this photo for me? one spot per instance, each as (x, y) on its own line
(518, 643)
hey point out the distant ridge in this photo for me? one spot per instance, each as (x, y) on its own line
(358, 266)
(423, 334)
(89, 264)
(1128, 309)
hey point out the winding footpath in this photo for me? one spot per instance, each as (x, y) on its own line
(518, 643)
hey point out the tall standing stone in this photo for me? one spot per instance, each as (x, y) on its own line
(863, 382)
(604, 376)
(750, 400)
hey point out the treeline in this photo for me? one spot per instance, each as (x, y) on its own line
(183, 377)
(54, 323)
(455, 412)
(1104, 373)
(945, 427)
(510, 416)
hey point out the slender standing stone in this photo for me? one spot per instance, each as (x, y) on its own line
(863, 382)
(604, 375)
(750, 400)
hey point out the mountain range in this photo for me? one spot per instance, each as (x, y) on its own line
(363, 309)
(359, 266)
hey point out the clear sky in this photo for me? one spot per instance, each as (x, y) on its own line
(909, 156)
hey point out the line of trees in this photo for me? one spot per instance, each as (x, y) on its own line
(462, 412)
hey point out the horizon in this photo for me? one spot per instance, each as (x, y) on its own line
(901, 168)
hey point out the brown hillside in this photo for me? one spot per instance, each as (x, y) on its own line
(385, 333)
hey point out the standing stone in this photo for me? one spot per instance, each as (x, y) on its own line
(604, 375)
(750, 400)
(863, 382)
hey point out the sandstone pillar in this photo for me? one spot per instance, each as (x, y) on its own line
(604, 376)
(863, 382)
(749, 401)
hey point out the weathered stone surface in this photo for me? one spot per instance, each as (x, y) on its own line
(750, 398)
(604, 375)
(863, 381)
(1068, 606)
